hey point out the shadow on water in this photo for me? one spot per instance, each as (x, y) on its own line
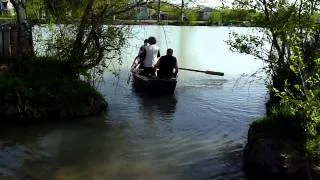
(224, 163)
(59, 150)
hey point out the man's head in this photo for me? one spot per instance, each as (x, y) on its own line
(145, 41)
(152, 40)
(170, 52)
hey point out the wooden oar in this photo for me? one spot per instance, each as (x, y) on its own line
(206, 72)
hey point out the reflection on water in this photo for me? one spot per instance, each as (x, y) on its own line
(205, 83)
(197, 133)
(166, 105)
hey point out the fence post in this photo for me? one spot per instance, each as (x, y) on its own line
(14, 40)
(1, 41)
(6, 42)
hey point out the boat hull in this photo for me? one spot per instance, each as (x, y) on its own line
(153, 85)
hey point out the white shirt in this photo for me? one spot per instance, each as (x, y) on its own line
(151, 55)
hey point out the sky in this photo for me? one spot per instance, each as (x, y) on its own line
(209, 3)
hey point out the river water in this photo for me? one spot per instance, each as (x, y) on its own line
(197, 133)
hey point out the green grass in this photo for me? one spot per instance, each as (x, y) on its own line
(44, 80)
(281, 124)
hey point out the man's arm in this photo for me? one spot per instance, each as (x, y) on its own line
(141, 50)
(142, 55)
(158, 63)
(175, 65)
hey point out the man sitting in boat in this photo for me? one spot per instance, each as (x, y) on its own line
(168, 66)
(149, 57)
(137, 61)
(142, 48)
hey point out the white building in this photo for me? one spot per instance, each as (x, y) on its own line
(205, 13)
(6, 7)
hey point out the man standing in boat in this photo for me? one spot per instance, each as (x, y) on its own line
(168, 66)
(149, 57)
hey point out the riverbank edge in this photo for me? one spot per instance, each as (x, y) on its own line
(147, 22)
(30, 112)
(269, 155)
(45, 93)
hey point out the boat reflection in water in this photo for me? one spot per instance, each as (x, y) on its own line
(157, 107)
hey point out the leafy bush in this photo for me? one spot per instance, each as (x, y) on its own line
(191, 17)
(298, 114)
(215, 18)
(46, 79)
(232, 16)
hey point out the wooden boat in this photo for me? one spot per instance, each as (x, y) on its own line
(152, 85)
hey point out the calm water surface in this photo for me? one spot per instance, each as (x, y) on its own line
(198, 133)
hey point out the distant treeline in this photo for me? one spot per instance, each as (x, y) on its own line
(234, 16)
(223, 16)
(68, 13)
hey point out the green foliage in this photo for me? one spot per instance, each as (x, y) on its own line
(191, 17)
(288, 46)
(281, 124)
(43, 80)
(303, 96)
(298, 114)
(232, 16)
(172, 12)
(90, 46)
(281, 23)
(215, 18)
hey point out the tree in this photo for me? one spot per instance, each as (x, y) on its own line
(184, 3)
(284, 24)
(289, 47)
(191, 17)
(215, 17)
(24, 44)
(158, 14)
(87, 43)
(93, 39)
(181, 11)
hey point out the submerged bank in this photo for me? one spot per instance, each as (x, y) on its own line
(278, 149)
(43, 89)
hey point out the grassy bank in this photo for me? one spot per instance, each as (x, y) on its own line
(296, 120)
(45, 89)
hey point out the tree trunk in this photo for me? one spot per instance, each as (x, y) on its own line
(77, 54)
(181, 11)
(25, 43)
(159, 4)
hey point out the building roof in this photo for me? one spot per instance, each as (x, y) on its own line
(205, 8)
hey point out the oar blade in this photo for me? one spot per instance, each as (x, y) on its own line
(214, 73)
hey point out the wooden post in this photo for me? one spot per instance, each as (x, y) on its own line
(1, 42)
(6, 42)
(181, 11)
(159, 6)
(14, 40)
